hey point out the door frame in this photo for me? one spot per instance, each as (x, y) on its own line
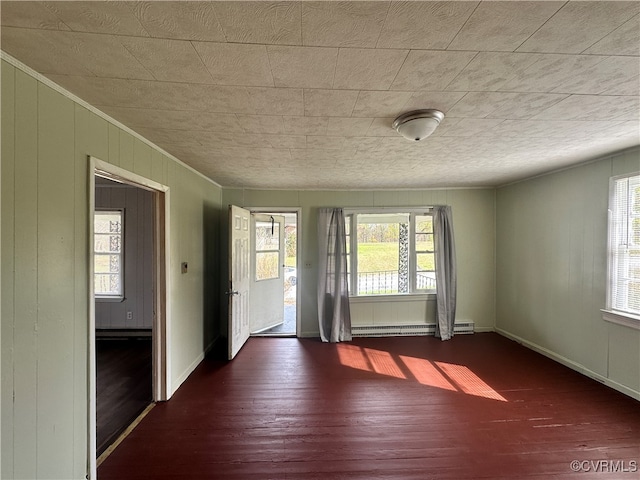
(299, 234)
(161, 360)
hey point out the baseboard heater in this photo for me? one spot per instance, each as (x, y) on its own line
(406, 330)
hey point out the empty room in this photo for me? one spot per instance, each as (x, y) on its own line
(320, 239)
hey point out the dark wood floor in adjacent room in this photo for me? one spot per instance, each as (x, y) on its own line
(123, 371)
(478, 406)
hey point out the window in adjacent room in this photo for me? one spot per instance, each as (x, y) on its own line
(390, 252)
(108, 254)
(623, 289)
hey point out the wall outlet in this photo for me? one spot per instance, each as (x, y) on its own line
(129, 315)
(307, 264)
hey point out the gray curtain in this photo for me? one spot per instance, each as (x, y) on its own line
(334, 315)
(446, 276)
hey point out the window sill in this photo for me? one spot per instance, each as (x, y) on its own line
(109, 299)
(621, 318)
(405, 297)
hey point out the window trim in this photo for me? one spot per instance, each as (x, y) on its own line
(112, 298)
(609, 314)
(413, 294)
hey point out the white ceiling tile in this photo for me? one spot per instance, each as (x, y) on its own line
(276, 101)
(603, 76)
(442, 101)
(236, 63)
(168, 60)
(261, 123)
(306, 67)
(578, 25)
(36, 50)
(286, 141)
(305, 125)
(545, 128)
(430, 70)
(630, 87)
(367, 69)
(362, 144)
(380, 104)
(468, 127)
(179, 20)
(329, 103)
(549, 71)
(216, 98)
(624, 40)
(163, 136)
(381, 127)
(233, 140)
(502, 26)
(30, 15)
(426, 25)
(593, 107)
(348, 126)
(260, 22)
(342, 24)
(525, 105)
(88, 50)
(174, 119)
(488, 71)
(325, 142)
(504, 105)
(113, 17)
(158, 95)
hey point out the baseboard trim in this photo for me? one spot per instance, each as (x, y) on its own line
(571, 364)
(484, 329)
(189, 370)
(309, 335)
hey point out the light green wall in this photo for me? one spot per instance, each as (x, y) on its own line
(46, 138)
(474, 227)
(552, 270)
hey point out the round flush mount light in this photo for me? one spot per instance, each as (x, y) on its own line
(417, 124)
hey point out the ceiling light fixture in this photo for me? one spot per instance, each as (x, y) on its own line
(417, 124)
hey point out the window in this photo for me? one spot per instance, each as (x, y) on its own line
(390, 253)
(108, 254)
(267, 250)
(623, 289)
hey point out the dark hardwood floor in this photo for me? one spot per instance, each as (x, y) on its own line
(476, 407)
(123, 372)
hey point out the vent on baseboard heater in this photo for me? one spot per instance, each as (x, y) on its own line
(406, 330)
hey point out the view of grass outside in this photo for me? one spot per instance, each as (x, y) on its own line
(378, 257)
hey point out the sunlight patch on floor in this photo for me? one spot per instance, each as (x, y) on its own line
(443, 375)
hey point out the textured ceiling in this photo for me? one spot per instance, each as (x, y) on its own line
(302, 94)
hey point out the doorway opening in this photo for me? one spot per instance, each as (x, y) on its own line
(285, 322)
(128, 317)
(123, 294)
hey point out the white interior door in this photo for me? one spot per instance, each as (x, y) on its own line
(267, 272)
(239, 278)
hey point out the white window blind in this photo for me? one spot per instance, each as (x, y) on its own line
(624, 245)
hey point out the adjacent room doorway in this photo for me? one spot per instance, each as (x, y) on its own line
(128, 317)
